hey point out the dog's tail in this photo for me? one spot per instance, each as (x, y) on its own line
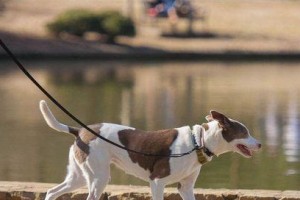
(53, 123)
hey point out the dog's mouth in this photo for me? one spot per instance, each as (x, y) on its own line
(244, 150)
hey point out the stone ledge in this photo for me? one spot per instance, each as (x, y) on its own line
(37, 191)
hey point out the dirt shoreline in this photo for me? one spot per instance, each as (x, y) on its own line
(44, 48)
(36, 191)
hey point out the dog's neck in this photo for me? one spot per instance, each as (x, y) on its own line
(213, 139)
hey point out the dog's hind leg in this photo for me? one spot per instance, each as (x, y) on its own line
(73, 180)
(97, 173)
(186, 186)
(97, 182)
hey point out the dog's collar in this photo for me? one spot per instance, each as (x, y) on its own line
(204, 155)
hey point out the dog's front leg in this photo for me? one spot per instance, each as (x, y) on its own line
(157, 189)
(186, 186)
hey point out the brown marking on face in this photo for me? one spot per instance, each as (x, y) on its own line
(205, 126)
(222, 119)
(235, 131)
(81, 146)
(155, 142)
(231, 129)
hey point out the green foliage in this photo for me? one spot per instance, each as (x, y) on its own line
(77, 22)
(115, 24)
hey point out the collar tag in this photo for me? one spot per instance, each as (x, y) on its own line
(201, 156)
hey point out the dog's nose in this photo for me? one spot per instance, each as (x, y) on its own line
(259, 145)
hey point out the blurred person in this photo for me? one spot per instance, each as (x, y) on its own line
(173, 9)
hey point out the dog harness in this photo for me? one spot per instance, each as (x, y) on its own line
(204, 155)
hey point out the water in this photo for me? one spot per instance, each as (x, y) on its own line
(151, 96)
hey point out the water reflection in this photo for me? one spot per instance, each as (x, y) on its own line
(282, 129)
(155, 96)
(292, 129)
(272, 130)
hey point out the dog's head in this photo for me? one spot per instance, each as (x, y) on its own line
(235, 134)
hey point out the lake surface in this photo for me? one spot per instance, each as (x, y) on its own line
(265, 96)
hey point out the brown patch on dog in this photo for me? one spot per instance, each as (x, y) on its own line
(74, 130)
(235, 130)
(205, 126)
(155, 142)
(81, 150)
(179, 186)
(81, 146)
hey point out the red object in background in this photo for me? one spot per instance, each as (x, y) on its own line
(152, 12)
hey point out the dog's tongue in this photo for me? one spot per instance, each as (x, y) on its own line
(244, 149)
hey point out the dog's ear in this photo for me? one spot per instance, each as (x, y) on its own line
(209, 118)
(222, 119)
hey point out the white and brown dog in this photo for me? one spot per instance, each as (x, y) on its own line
(90, 157)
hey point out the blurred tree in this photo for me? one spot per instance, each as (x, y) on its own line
(2, 6)
(80, 21)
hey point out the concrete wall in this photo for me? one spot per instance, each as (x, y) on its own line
(37, 191)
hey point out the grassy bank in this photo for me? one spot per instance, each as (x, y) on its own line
(247, 26)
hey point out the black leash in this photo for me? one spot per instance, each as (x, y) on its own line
(23, 69)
